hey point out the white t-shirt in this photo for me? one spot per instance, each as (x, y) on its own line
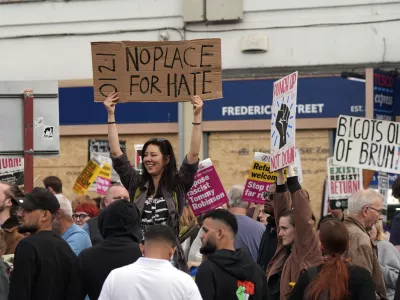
(149, 279)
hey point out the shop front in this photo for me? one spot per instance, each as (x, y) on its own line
(239, 125)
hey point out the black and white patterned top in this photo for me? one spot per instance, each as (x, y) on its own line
(155, 212)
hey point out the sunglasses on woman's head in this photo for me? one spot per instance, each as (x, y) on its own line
(157, 140)
(81, 217)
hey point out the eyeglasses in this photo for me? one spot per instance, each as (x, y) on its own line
(377, 210)
(81, 217)
(268, 195)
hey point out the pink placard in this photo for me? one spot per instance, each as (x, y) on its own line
(254, 191)
(102, 185)
(207, 192)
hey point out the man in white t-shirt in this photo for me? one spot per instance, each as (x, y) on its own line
(151, 276)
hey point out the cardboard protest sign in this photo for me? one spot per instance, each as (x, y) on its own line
(157, 71)
(86, 178)
(207, 192)
(298, 170)
(101, 148)
(283, 122)
(343, 181)
(383, 189)
(12, 170)
(368, 144)
(260, 178)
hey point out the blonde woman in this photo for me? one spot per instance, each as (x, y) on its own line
(389, 258)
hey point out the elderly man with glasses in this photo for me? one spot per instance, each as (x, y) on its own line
(63, 224)
(364, 210)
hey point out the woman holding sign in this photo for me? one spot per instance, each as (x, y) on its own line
(298, 243)
(160, 191)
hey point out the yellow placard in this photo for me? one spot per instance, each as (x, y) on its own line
(105, 172)
(86, 178)
(261, 171)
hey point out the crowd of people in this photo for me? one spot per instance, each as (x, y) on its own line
(142, 240)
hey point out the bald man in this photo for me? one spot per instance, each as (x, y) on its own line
(115, 192)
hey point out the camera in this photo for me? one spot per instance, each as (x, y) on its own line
(338, 204)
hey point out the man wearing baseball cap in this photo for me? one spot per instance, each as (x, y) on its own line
(44, 263)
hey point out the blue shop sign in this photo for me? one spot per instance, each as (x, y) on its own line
(323, 97)
(384, 95)
(77, 107)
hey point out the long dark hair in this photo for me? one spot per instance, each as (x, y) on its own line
(169, 178)
(333, 277)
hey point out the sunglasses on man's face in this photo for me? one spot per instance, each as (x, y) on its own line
(81, 217)
(268, 196)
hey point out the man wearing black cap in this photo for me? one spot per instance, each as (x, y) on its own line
(44, 263)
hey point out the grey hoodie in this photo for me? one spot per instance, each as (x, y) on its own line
(389, 259)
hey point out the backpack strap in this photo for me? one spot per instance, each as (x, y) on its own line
(312, 273)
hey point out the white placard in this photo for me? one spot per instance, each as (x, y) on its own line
(368, 144)
(283, 122)
(383, 188)
(298, 170)
(343, 181)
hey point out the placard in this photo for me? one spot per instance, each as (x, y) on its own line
(157, 71)
(103, 180)
(368, 144)
(343, 181)
(102, 148)
(138, 158)
(383, 189)
(283, 122)
(207, 192)
(260, 178)
(297, 168)
(12, 170)
(86, 178)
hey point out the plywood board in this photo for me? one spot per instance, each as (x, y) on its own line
(232, 154)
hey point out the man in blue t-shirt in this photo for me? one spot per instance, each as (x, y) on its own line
(250, 231)
(76, 237)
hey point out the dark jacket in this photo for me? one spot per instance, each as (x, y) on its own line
(11, 235)
(361, 286)
(395, 230)
(44, 268)
(397, 295)
(119, 225)
(268, 245)
(94, 231)
(227, 273)
(289, 262)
